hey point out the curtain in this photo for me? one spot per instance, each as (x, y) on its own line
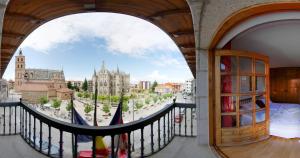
(226, 84)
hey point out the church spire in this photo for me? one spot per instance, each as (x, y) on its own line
(20, 51)
(103, 65)
(94, 72)
(118, 69)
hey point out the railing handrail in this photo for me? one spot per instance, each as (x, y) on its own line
(99, 130)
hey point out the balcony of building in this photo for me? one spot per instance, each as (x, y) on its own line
(170, 132)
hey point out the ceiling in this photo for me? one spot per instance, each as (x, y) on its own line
(24, 16)
(280, 40)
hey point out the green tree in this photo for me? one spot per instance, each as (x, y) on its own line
(133, 96)
(126, 98)
(88, 108)
(102, 98)
(86, 95)
(84, 85)
(43, 100)
(106, 108)
(69, 85)
(93, 96)
(56, 103)
(69, 106)
(79, 94)
(115, 99)
(125, 106)
(76, 88)
(155, 99)
(139, 105)
(147, 101)
(153, 86)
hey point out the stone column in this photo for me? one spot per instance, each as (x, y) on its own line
(202, 96)
(197, 7)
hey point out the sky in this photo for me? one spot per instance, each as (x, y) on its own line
(79, 43)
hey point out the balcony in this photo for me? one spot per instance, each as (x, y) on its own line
(166, 132)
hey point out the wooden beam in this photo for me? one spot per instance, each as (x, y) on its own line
(182, 33)
(8, 46)
(23, 17)
(160, 15)
(186, 46)
(13, 35)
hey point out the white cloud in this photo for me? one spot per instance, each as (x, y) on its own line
(156, 75)
(166, 60)
(122, 33)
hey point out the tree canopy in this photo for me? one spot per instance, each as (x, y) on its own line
(153, 86)
(84, 85)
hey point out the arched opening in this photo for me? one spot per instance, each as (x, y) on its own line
(270, 30)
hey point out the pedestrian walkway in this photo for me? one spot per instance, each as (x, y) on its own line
(16, 147)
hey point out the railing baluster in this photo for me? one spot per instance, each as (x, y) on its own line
(49, 140)
(164, 126)
(29, 126)
(75, 146)
(4, 121)
(61, 143)
(41, 135)
(21, 121)
(168, 126)
(15, 119)
(142, 142)
(9, 122)
(174, 120)
(94, 147)
(152, 143)
(185, 122)
(129, 146)
(180, 121)
(26, 125)
(34, 132)
(171, 127)
(113, 146)
(158, 131)
(191, 121)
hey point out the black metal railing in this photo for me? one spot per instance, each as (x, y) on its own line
(53, 137)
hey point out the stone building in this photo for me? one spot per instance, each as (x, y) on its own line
(35, 83)
(144, 85)
(111, 82)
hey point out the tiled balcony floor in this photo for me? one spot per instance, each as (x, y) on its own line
(16, 147)
(184, 147)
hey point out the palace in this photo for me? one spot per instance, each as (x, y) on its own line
(111, 82)
(35, 83)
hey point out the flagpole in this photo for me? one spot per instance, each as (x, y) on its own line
(95, 99)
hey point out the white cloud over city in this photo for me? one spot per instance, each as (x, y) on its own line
(122, 33)
(83, 41)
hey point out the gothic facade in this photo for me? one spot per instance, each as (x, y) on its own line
(110, 82)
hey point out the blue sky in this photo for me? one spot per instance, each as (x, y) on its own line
(79, 43)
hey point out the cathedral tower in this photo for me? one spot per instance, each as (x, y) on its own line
(19, 70)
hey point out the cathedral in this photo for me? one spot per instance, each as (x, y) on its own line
(35, 83)
(110, 82)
